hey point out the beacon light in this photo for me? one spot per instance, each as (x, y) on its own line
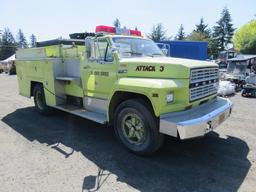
(117, 31)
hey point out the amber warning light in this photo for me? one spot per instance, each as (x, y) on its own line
(117, 31)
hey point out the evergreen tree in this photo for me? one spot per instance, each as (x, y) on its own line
(224, 30)
(1, 35)
(33, 40)
(200, 33)
(21, 40)
(181, 34)
(8, 44)
(158, 33)
(213, 50)
(197, 36)
(203, 28)
(203, 33)
(117, 23)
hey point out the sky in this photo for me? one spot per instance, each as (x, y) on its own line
(49, 19)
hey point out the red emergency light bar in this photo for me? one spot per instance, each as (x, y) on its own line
(117, 31)
(135, 32)
(106, 29)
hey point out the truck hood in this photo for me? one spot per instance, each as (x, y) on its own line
(161, 67)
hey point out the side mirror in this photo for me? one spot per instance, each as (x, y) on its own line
(114, 52)
(165, 51)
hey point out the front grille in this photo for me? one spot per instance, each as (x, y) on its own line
(204, 74)
(203, 82)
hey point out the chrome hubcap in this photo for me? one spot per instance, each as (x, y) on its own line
(133, 128)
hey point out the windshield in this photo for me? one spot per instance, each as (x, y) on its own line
(231, 55)
(135, 47)
(237, 67)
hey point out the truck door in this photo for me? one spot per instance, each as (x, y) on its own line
(99, 71)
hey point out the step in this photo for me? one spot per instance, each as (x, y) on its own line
(75, 110)
(77, 80)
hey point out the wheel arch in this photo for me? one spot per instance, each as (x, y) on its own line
(121, 96)
(32, 86)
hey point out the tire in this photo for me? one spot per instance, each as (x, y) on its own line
(137, 128)
(254, 93)
(243, 93)
(12, 72)
(39, 100)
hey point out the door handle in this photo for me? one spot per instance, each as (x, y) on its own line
(121, 71)
(86, 67)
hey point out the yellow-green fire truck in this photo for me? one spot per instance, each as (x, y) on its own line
(120, 78)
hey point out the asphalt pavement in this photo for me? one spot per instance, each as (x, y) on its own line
(66, 153)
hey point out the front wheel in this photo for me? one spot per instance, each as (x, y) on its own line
(137, 127)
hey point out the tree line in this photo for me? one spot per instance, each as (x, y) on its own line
(218, 37)
(9, 44)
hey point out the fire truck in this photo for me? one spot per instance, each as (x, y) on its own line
(120, 78)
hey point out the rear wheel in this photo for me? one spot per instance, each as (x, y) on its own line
(137, 127)
(39, 100)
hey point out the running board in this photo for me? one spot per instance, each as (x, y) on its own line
(81, 112)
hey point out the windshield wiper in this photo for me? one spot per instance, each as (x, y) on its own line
(155, 54)
(133, 53)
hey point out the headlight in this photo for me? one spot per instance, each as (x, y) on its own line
(169, 98)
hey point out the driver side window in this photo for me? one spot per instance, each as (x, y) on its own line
(100, 51)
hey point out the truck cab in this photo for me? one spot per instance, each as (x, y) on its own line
(223, 58)
(126, 81)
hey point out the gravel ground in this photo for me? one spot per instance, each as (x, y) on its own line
(67, 153)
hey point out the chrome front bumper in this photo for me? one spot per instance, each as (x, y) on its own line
(197, 121)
